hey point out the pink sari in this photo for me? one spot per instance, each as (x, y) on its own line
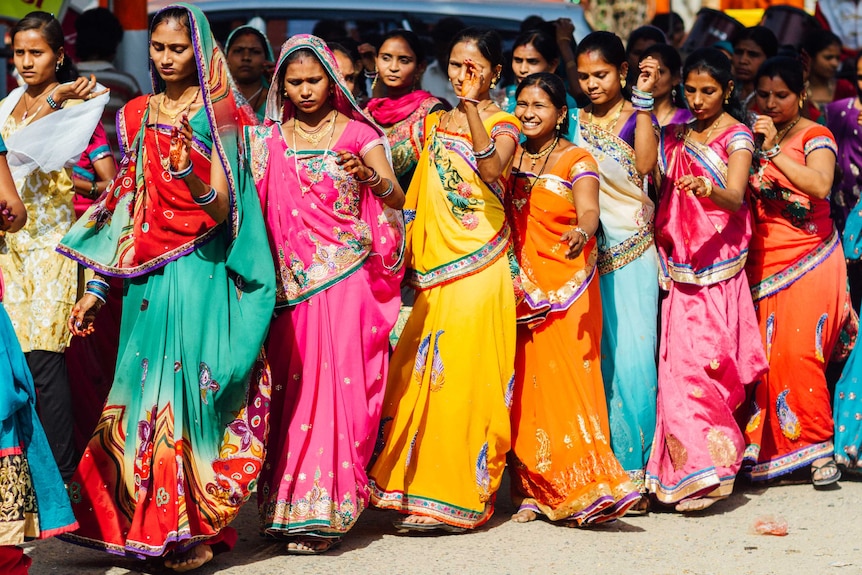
(710, 343)
(338, 253)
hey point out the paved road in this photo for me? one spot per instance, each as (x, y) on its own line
(825, 538)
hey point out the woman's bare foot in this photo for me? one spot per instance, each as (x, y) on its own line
(311, 545)
(420, 520)
(697, 504)
(639, 508)
(191, 559)
(524, 516)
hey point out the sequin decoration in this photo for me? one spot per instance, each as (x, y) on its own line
(754, 419)
(437, 376)
(787, 419)
(421, 359)
(770, 331)
(483, 478)
(818, 338)
(543, 451)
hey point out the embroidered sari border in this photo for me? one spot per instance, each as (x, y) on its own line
(705, 481)
(786, 277)
(306, 294)
(153, 264)
(625, 252)
(440, 510)
(464, 266)
(545, 302)
(709, 275)
(784, 464)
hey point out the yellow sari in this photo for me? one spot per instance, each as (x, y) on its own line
(445, 427)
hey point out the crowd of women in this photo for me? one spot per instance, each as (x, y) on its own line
(628, 302)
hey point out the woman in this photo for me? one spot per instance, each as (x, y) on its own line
(46, 126)
(445, 427)
(843, 119)
(798, 281)
(823, 49)
(250, 59)
(559, 416)
(536, 51)
(401, 111)
(35, 504)
(670, 107)
(337, 294)
(751, 47)
(180, 442)
(623, 141)
(706, 356)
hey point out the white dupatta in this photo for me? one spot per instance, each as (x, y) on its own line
(54, 141)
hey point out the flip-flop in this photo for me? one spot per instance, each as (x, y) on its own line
(403, 525)
(330, 543)
(829, 465)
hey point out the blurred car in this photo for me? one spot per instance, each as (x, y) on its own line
(283, 18)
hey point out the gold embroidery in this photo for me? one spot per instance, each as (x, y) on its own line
(677, 452)
(721, 448)
(543, 452)
(584, 433)
(597, 429)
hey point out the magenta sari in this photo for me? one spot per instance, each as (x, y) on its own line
(337, 251)
(710, 342)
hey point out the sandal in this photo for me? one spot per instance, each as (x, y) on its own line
(640, 508)
(312, 545)
(829, 469)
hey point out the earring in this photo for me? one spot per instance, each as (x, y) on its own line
(673, 93)
(57, 67)
(494, 81)
(622, 81)
(727, 98)
(374, 83)
(801, 103)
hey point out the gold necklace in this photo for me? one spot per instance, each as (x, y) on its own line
(779, 136)
(166, 161)
(612, 125)
(705, 142)
(450, 114)
(181, 108)
(315, 136)
(303, 188)
(541, 153)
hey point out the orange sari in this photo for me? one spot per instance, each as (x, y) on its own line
(798, 282)
(562, 463)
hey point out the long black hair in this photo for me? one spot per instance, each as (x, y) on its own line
(717, 65)
(544, 43)
(788, 69)
(51, 31)
(488, 41)
(553, 86)
(607, 44)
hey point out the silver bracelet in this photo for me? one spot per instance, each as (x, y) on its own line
(583, 232)
(387, 192)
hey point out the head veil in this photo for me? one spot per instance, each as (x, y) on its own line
(248, 29)
(279, 109)
(226, 116)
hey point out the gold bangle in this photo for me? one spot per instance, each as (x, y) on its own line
(708, 184)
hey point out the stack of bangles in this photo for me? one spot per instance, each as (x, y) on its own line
(485, 152)
(373, 181)
(771, 152)
(207, 198)
(182, 174)
(707, 183)
(98, 289)
(642, 101)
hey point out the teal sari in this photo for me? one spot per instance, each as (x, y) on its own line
(180, 442)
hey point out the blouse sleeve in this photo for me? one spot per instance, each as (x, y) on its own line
(2, 146)
(819, 137)
(99, 146)
(507, 126)
(740, 140)
(583, 166)
(366, 138)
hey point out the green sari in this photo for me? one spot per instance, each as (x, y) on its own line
(180, 441)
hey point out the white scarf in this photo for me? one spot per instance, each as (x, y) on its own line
(54, 141)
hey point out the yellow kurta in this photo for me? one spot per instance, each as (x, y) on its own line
(445, 425)
(41, 285)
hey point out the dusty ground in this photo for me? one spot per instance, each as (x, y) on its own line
(825, 537)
